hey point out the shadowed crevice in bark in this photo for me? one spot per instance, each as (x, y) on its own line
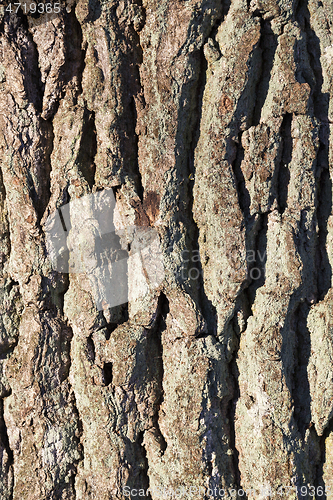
(323, 458)
(91, 352)
(188, 131)
(295, 343)
(88, 148)
(256, 229)
(7, 477)
(55, 338)
(149, 361)
(157, 366)
(94, 10)
(200, 18)
(5, 232)
(284, 173)
(296, 352)
(219, 455)
(320, 99)
(323, 213)
(107, 374)
(143, 477)
(256, 248)
(256, 255)
(225, 7)
(54, 287)
(323, 198)
(207, 308)
(231, 411)
(244, 198)
(267, 48)
(321, 107)
(301, 389)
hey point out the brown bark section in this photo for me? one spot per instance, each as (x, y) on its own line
(212, 124)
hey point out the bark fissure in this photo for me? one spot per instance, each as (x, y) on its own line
(207, 308)
(284, 173)
(267, 48)
(156, 333)
(88, 148)
(242, 192)
(301, 390)
(7, 473)
(145, 471)
(324, 209)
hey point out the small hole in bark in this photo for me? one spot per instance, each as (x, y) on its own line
(107, 373)
(91, 349)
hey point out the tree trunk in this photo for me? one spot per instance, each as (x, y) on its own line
(211, 125)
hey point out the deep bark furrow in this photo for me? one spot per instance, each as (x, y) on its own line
(7, 459)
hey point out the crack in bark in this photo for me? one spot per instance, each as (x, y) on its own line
(88, 148)
(320, 466)
(4, 442)
(284, 173)
(207, 308)
(324, 209)
(231, 411)
(156, 332)
(243, 194)
(320, 100)
(144, 472)
(301, 389)
(267, 48)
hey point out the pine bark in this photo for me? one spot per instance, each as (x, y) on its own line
(211, 121)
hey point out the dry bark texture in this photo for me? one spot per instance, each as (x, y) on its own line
(212, 121)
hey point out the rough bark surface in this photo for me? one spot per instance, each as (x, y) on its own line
(212, 122)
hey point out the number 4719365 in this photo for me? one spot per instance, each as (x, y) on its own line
(32, 8)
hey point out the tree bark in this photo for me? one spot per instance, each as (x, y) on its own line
(211, 123)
